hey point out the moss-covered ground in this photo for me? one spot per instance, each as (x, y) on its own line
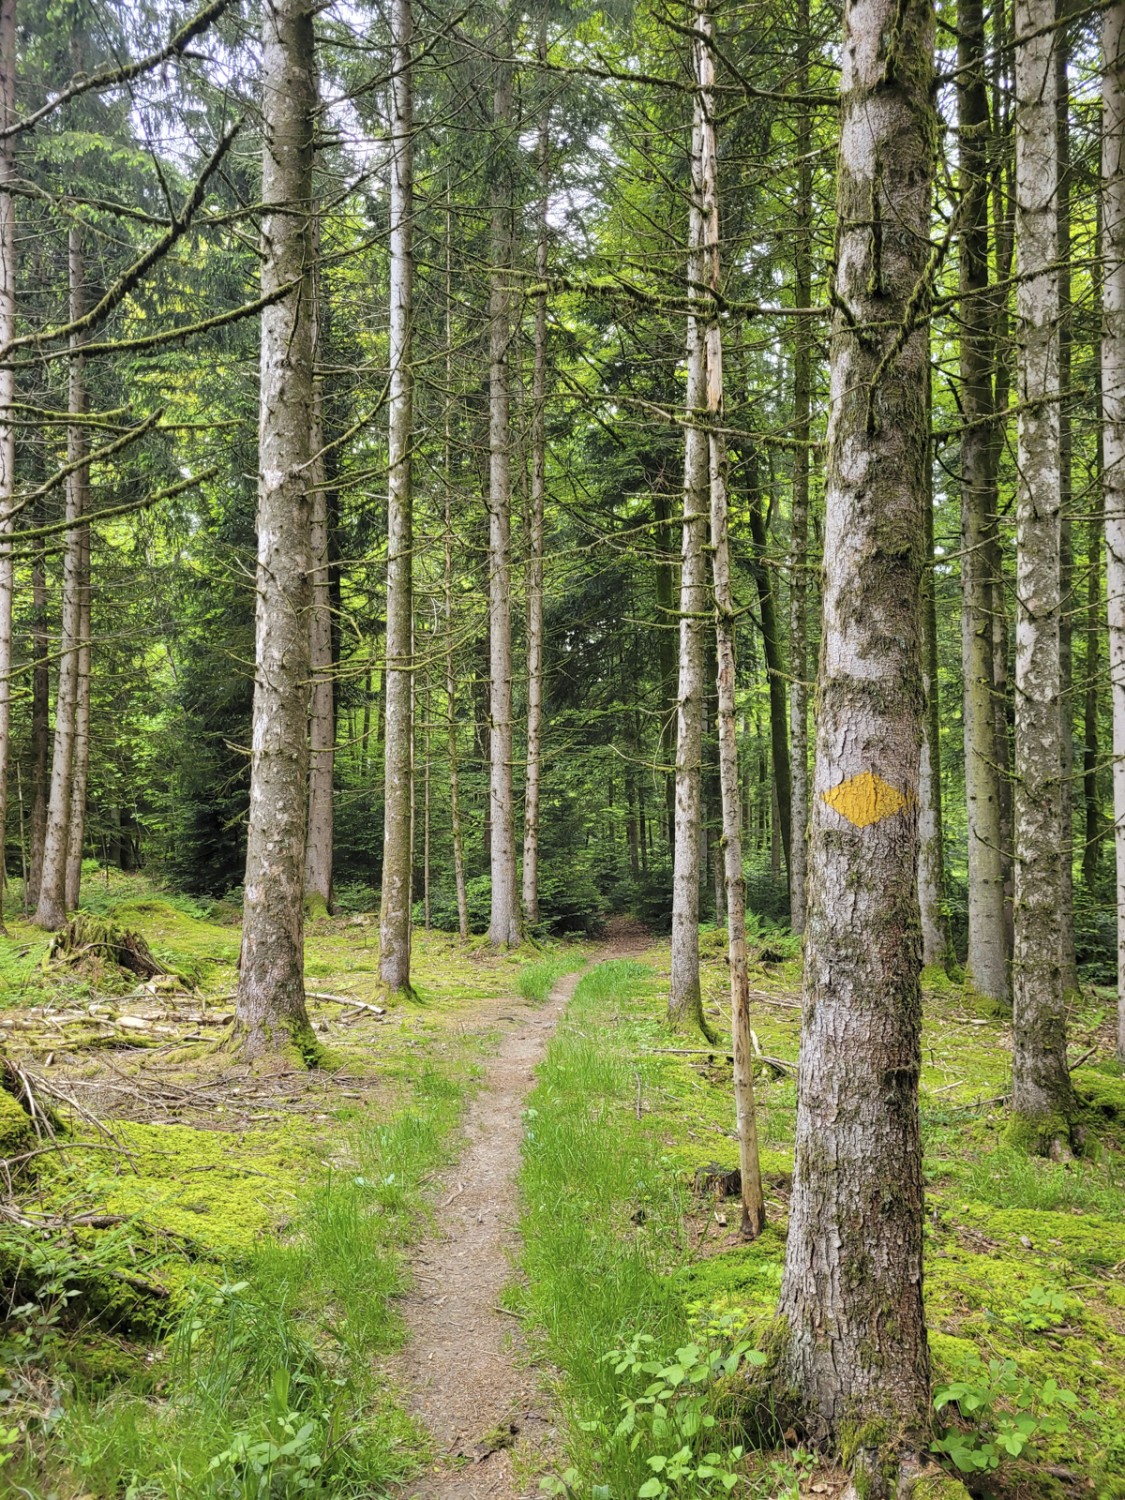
(199, 1272)
(1025, 1258)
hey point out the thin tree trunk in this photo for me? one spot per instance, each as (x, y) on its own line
(775, 668)
(685, 1004)
(799, 515)
(40, 724)
(535, 528)
(270, 1007)
(1042, 1100)
(80, 774)
(1113, 425)
(447, 588)
(854, 1348)
(753, 1201)
(8, 36)
(987, 952)
(504, 925)
(322, 710)
(398, 844)
(931, 855)
(1068, 962)
(50, 909)
(663, 537)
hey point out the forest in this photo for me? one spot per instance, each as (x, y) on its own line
(562, 749)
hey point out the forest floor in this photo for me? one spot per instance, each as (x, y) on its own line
(450, 1260)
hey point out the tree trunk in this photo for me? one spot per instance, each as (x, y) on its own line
(987, 952)
(270, 1008)
(40, 723)
(854, 1348)
(1042, 1100)
(447, 586)
(775, 668)
(664, 540)
(322, 711)
(535, 529)
(753, 1201)
(8, 40)
(504, 924)
(685, 1004)
(50, 909)
(1113, 440)
(80, 773)
(931, 854)
(799, 514)
(398, 842)
(1068, 962)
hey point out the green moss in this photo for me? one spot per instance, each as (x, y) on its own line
(17, 1134)
(934, 1485)
(1036, 1134)
(315, 906)
(1101, 1093)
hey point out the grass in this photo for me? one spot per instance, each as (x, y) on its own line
(538, 978)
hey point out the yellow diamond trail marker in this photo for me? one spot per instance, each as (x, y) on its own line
(865, 799)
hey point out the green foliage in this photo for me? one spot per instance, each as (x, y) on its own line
(538, 978)
(1009, 1413)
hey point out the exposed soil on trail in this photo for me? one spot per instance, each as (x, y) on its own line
(465, 1369)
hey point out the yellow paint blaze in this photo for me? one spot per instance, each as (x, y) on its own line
(865, 799)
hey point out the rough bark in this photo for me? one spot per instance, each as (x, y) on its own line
(1042, 1100)
(398, 824)
(40, 725)
(1113, 437)
(987, 949)
(750, 1173)
(1068, 962)
(781, 820)
(799, 514)
(535, 531)
(270, 1008)
(685, 1003)
(7, 397)
(852, 1346)
(50, 909)
(504, 924)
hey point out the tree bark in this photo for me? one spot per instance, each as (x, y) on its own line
(398, 842)
(40, 724)
(504, 925)
(1042, 1100)
(685, 1004)
(753, 1200)
(51, 907)
(1113, 437)
(535, 527)
(270, 1008)
(987, 951)
(8, 37)
(853, 1346)
(80, 773)
(775, 670)
(447, 586)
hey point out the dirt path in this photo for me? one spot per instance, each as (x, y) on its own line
(464, 1371)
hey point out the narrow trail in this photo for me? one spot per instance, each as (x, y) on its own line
(463, 1369)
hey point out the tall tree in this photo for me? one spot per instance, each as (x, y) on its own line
(851, 1298)
(987, 952)
(1042, 1099)
(504, 923)
(271, 989)
(931, 837)
(1113, 440)
(50, 910)
(322, 711)
(7, 397)
(750, 1172)
(398, 816)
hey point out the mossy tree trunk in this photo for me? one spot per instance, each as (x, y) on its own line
(398, 815)
(1042, 1098)
(853, 1349)
(1113, 437)
(270, 1008)
(8, 38)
